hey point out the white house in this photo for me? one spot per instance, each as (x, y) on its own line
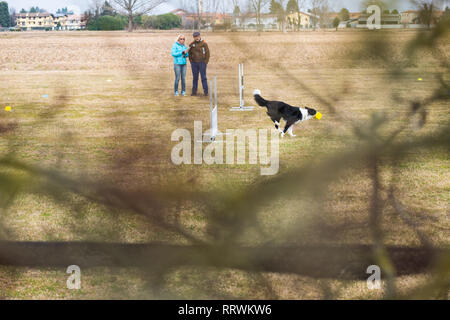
(75, 22)
(268, 21)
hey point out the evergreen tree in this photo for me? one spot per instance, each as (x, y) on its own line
(344, 14)
(292, 6)
(276, 7)
(237, 11)
(5, 19)
(446, 14)
(107, 10)
(336, 22)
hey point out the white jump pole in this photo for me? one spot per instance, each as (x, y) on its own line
(213, 110)
(213, 115)
(242, 106)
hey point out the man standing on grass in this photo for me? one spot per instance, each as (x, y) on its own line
(199, 58)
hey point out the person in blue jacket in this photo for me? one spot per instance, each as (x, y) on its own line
(179, 54)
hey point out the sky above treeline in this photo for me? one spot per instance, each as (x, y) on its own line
(82, 5)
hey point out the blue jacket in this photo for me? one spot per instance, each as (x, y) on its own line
(177, 53)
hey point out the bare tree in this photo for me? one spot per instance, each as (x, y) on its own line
(224, 6)
(134, 8)
(237, 10)
(258, 6)
(325, 10)
(195, 8)
(188, 5)
(96, 7)
(320, 9)
(236, 3)
(315, 11)
(12, 15)
(211, 5)
(428, 9)
(245, 10)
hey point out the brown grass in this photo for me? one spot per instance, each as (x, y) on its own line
(96, 122)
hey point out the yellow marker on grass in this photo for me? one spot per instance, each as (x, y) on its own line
(7, 108)
(318, 115)
(420, 79)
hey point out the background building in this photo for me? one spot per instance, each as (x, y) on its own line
(47, 21)
(35, 21)
(305, 19)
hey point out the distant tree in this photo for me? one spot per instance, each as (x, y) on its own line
(95, 8)
(107, 10)
(427, 13)
(134, 8)
(64, 11)
(344, 14)
(292, 6)
(257, 6)
(446, 13)
(395, 11)
(5, 19)
(162, 22)
(107, 23)
(295, 7)
(321, 9)
(23, 11)
(277, 9)
(236, 11)
(12, 15)
(386, 11)
(89, 17)
(336, 22)
(137, 21)
(33, 10)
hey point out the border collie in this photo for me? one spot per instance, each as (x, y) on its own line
(292, 115)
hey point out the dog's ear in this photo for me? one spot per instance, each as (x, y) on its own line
(311, 112)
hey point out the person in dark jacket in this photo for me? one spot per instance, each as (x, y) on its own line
(199, 58)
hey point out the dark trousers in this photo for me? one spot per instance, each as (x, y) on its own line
(199, 68)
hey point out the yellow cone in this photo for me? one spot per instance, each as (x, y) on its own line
(318, 115)
(7, 108)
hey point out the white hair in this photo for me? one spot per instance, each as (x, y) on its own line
(179, 36)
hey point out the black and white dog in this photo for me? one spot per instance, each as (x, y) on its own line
(278, 110)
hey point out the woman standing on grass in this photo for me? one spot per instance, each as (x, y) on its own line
(179, 54)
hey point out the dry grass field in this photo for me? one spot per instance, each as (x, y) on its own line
(109, 116)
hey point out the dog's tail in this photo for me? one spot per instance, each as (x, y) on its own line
(259, 100)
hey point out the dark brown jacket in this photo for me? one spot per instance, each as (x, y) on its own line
(199, 52)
